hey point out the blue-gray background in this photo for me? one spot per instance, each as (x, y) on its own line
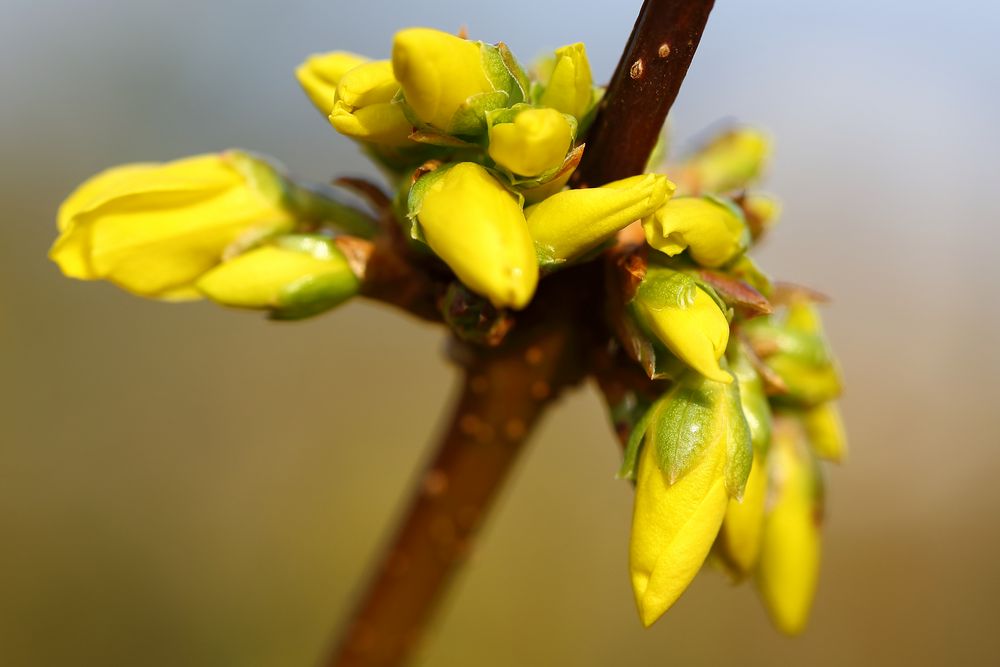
(187, 486)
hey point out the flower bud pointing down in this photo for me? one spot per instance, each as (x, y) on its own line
(696, 455)
(685, 318)
(476, 226)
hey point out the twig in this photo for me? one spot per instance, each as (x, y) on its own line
(642, 90)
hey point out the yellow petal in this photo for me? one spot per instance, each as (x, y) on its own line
(731, 161)
(825, 431)
(477, 227)
(570, 86)
(535, 142)
(438, 73)
(710, 230)
(790, 548)
(153, 229)
(320, 74)
(673, 527)
(742, 527)
(260, 278)
(696, 333)
(570, 223)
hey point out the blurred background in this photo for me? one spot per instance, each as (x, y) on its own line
(182, 485)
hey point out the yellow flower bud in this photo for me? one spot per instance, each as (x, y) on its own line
(697, 454)
(686, 319)
(153, 229)
(477, 227)
(825, 431)
(570, 223)
(742, 527)
(320, 74)
(790, 548)
(570, 87)
(364, 108)
(298, 276)
(711, 230)
(438, 72)
(763, 212)
(535, 142)
(731, 161)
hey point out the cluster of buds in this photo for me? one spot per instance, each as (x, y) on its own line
(737, 410)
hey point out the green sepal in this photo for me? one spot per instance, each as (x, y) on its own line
(415, 199)
(666, 288)
(696, 414)
(517, 72)
(685, 423)
(312, 295)
(633, 413)
(470, 118)
(739, 444)
(745, 269)
(753, 397)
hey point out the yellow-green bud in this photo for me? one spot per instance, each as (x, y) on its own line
(762, 212)
(825, 431)
(295, 277)
(536, 141)
(473, 223)
(438, 72)
(696, 456)
(712, 230)
(154, 229)
(742, 527)
(731, 161)
(794, 347)
(685, 318)
(364, 108)
(320, 74)
(571, 223)
(570, 87)
(790, 546)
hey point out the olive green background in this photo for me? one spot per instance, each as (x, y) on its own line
(182, 485)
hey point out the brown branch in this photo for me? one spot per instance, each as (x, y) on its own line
(504, 393)
(507, 389)
(642, 90)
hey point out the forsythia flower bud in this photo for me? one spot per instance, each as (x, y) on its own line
(712, 230)
(741, 529)
(536, 141)
(438, 72)
(320, 74)
(296, 277)
(570, 223)
(570, 87)
(473, 223)
(696, 455)
(154, 229)
(790, 546)
(825, 431)
(364, 108)
(731, 161)
(796, 350)
(685, 318)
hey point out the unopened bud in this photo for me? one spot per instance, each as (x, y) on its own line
(571, 223)
(476, 226)
(320, 74)
(365, 109)
(712, 230)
